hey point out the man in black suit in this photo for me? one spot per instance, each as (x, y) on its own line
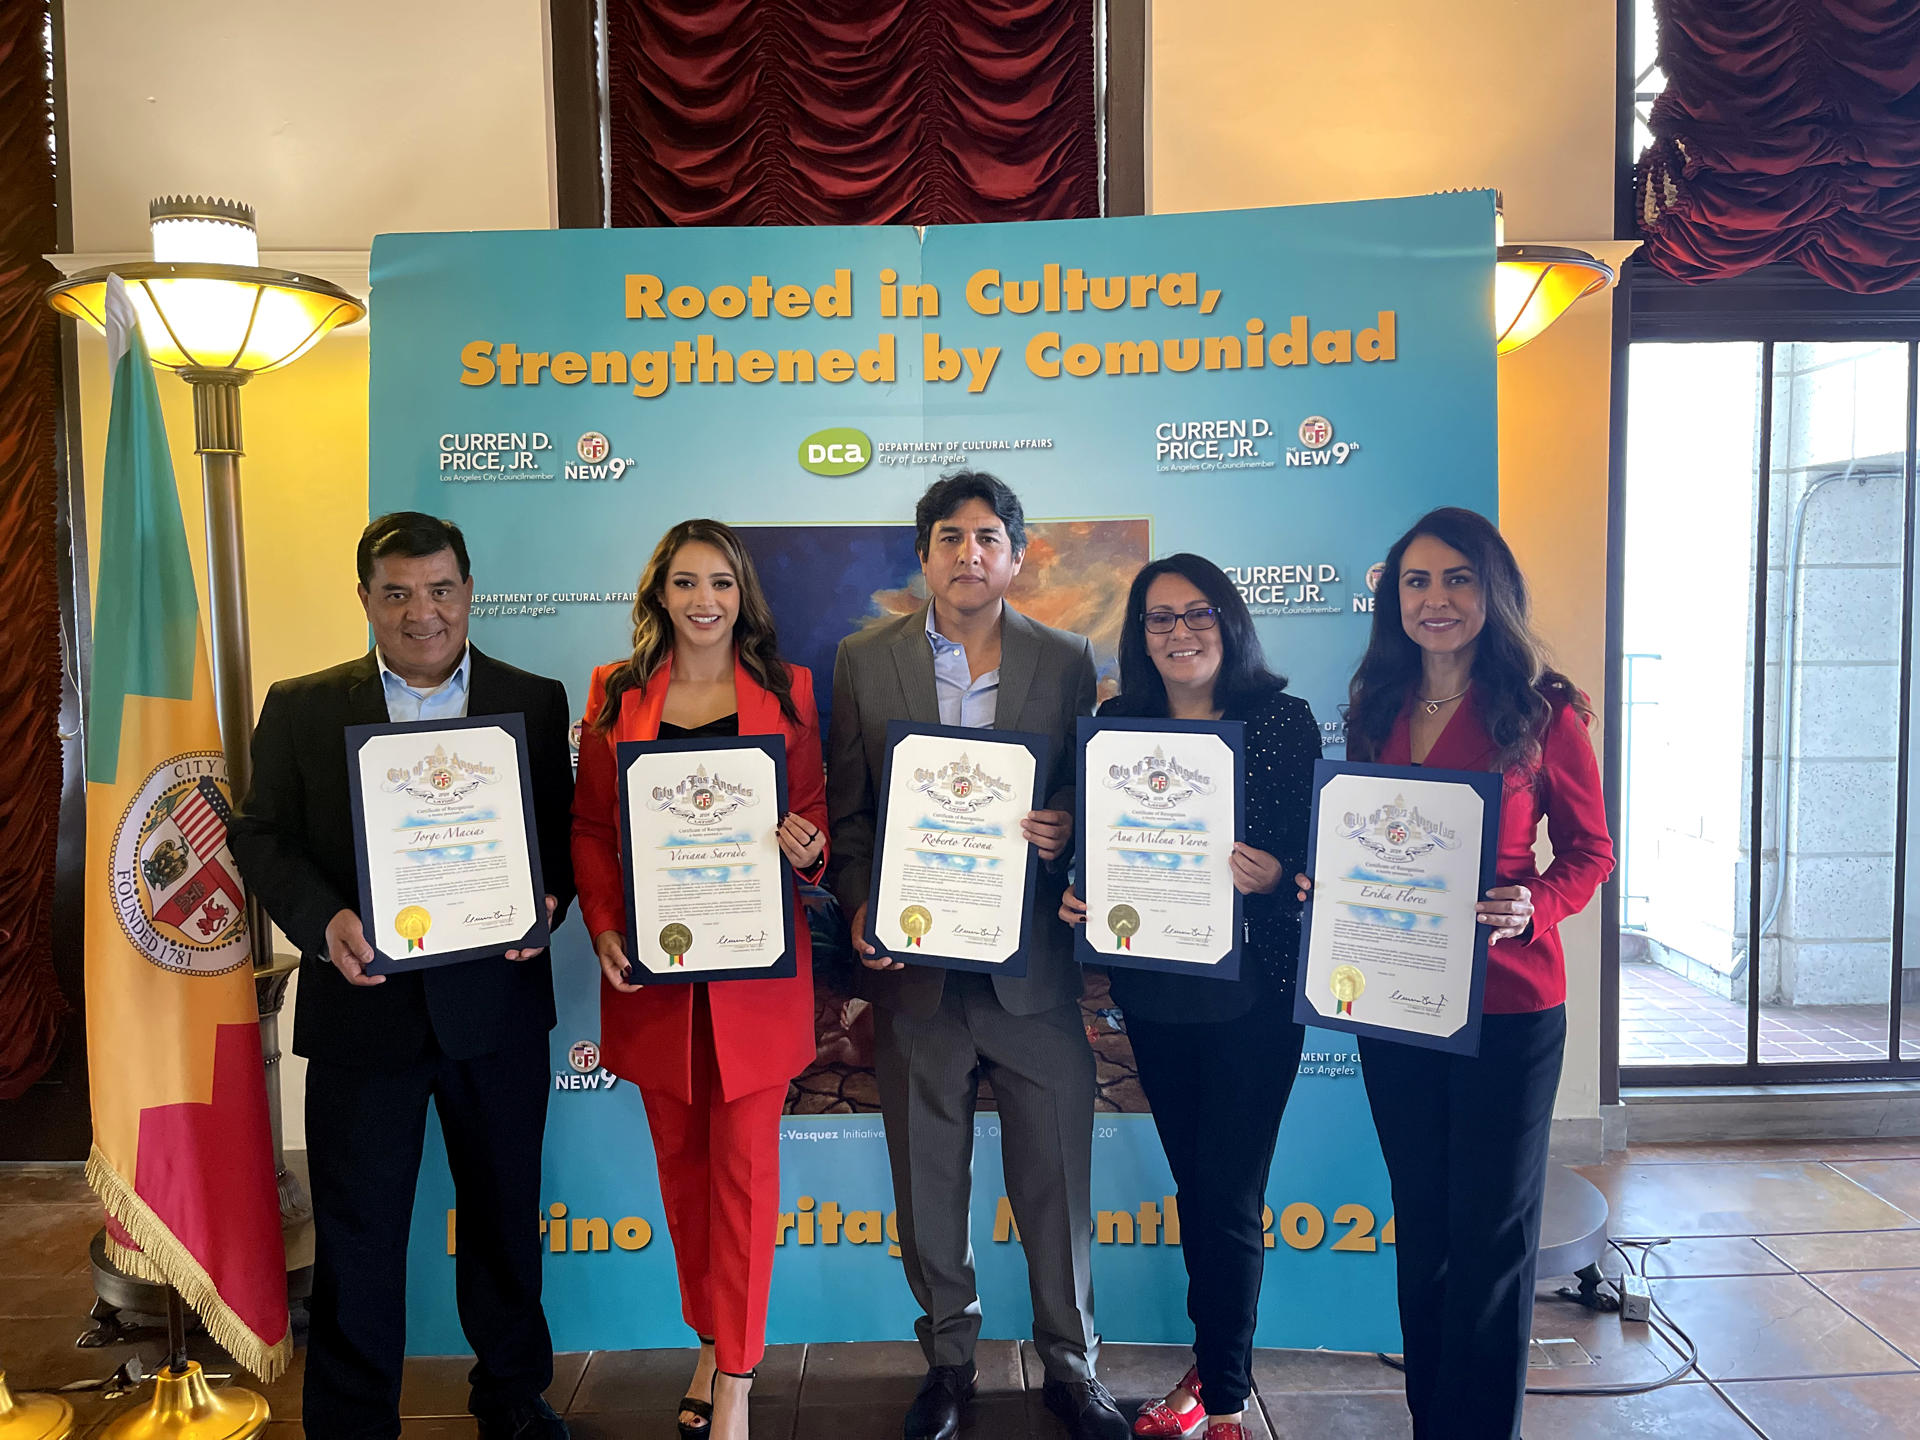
(471, 1037)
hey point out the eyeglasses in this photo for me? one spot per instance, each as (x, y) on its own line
(1201, 617)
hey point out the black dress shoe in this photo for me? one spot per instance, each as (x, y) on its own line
(935, 1412)
(524, 1420)
(1086, 1409)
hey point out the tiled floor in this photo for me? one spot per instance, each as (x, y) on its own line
(1795, 1267)
(1665, 1020)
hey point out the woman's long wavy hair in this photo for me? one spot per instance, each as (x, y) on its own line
(1243, 681)
(754, 640)
(1515, 689)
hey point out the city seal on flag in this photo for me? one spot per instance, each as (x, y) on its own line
(176, 890)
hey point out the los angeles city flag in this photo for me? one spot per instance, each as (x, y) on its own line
(182, 1151)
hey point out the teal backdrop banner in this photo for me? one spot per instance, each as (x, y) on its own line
(1283, 391)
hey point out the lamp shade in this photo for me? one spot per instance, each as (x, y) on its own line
(233, 318)
(1533, 285)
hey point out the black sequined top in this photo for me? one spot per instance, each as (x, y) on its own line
(1282, 742)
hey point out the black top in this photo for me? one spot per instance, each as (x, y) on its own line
(724, 725)
(1282, 742)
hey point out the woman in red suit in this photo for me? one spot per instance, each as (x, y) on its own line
(711, 1062)
(1455, 678)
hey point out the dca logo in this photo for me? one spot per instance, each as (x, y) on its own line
(835, 452)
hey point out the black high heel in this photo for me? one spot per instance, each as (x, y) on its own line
(694, 1405)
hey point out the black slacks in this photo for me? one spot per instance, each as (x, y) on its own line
(1465, 1142)
(365, 1133)
(1218, 1090)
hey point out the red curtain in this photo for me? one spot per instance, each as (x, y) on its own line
(1789, 130)
(800, 112)
(31, 1005)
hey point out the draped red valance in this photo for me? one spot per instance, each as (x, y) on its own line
(1789, 130)
(796, 112)
(32, 1007)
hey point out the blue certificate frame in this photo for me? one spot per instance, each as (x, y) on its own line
(1041, 748)
(774, 746)
(1489, 787)
(1233, 733)
(537, 935)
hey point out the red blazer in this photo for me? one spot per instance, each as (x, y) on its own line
(762, 1029)
(1528, 972)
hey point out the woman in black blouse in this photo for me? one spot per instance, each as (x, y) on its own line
(1217, 1058)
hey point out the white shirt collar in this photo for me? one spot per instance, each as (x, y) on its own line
(457, 679)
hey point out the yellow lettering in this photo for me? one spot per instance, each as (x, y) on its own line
(475, 356)
(643, 298)
(978, 299)
(1377, 343)
(609, 367)
(756, 366)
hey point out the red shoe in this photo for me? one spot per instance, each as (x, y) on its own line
(1228, 1430)
(1157, 1418)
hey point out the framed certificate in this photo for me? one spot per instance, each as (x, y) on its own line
(953, 879)
(1160, 805)
(709, 890)
(1399, 856)
(444, 841)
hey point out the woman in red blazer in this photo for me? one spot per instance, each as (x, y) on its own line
(711, 1062)
(1455, 678)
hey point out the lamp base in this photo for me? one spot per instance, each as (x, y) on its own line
(186, 1407)
(33, 1417)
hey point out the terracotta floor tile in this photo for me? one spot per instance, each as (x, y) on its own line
(1323, 1415)
(45, 1185)
(1888, 1301)
(652, 1381)
(1695, 1411)
(1895, 1181)
(1874, 1407)
(1277, 1372)
(1762, 1151)
(66, 1298)
(1624, 1354)
(1861, 1250)
(46, 1239)
(888, 1373)
(1737, 1199)
(1708, 1256)
(1773, 1327)
(435, 1386)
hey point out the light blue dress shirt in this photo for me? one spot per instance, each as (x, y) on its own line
(404, 703)
(963, 699)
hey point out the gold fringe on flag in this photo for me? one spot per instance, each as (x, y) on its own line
(163, 1260)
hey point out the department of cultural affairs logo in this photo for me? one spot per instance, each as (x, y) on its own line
(176, 891)
(439, 777)
(593, 447)
(1315, 431)
(960, 787)
(584, 1057)
(1396, 833)
(702, 798)
(1158, 781)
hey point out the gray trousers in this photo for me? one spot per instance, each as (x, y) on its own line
(1041, 1070)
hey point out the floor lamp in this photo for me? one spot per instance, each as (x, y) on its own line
(212, 315)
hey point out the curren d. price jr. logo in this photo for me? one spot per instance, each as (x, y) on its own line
(1231, 444)
(497, 455)
(1300, 589)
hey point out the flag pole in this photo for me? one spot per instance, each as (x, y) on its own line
(33, 1417)
(185, 1405)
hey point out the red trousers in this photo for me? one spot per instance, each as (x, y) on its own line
(720, 1185)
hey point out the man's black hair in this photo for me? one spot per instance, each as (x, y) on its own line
(947, 495)
(409, 533)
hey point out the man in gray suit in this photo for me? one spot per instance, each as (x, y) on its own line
(969, 659)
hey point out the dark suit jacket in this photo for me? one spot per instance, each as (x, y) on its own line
(886, 673)
(293, 839)
(1283, 741)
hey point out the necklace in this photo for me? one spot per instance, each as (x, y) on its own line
(1433, 706)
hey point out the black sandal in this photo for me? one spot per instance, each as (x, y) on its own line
(693, 1405)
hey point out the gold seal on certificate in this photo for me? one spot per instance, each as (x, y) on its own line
(1390, 946)
(676, 940)
(705, 875)
(447, 865)
(1159, 811)
(952, 880)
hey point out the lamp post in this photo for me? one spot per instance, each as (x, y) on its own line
(211, 314)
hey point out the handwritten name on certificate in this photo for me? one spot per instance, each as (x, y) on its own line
(1160, 807)
(447, 873)
(953, 860)
(1398, 866)
(708, 891)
